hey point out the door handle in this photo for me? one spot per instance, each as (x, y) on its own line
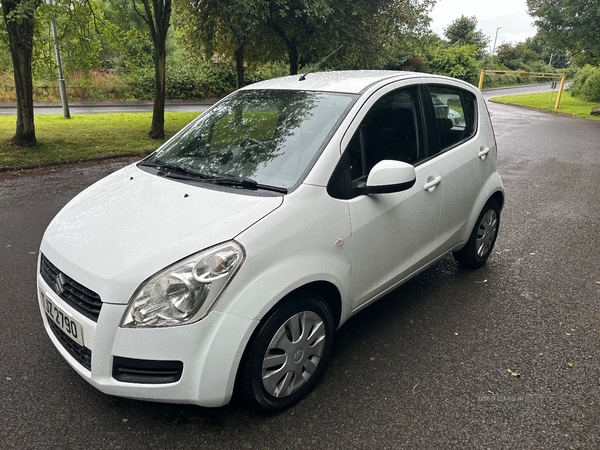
(483, 151)
(432, 184)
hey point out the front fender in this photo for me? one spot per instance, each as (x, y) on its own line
(289, 249)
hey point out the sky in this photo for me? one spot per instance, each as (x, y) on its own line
(511, 15)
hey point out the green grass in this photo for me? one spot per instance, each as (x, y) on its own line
(570, 106)
(84, 137)
(92, 136)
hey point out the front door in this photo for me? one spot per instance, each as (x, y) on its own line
(393, 235)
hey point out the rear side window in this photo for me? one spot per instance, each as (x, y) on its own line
(455, 114)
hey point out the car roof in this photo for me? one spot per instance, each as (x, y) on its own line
(349, 81)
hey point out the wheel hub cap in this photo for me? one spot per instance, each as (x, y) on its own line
(486, 233)
(293, 354)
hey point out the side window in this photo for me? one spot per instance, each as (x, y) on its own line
(455, 113)
(392, 129)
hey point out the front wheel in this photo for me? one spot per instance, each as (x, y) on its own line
(481, 242)
(287, 354)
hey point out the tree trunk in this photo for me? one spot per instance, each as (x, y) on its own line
(157, 129)
(20, 36)
(157, 15)
(290, 44)
(239, 64)
(293, 54)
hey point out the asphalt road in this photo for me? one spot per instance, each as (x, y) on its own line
(524, 89)
(427, 367)
(200, 105)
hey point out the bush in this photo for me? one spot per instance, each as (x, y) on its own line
(458, 61)
(266, 71)
(200, 80)
(586, 84)
(186, 82)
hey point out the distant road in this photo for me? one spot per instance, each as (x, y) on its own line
(7, 109)
(517, 90)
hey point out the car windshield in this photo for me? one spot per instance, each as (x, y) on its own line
(268, 136)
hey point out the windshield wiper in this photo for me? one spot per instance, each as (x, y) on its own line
(245, 183)
(172, 169)
(175, 171)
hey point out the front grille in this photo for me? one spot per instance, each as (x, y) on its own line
(83, 355)
(84, 300)
(129, 370)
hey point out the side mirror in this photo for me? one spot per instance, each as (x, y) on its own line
(389, 176)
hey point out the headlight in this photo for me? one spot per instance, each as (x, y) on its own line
(184, 292)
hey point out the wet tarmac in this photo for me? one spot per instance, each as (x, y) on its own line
(502, 357)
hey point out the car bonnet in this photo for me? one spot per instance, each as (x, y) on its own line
(132, 224)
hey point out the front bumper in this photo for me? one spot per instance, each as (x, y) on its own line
(209, 350)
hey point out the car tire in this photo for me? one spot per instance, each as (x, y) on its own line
(287, 353)
(483, 237)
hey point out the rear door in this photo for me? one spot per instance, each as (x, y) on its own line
(463, 152)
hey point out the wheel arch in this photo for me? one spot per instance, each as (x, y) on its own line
(329, 292)
(499, 197)
(326, 290)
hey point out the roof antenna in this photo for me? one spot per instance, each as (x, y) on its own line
(316, 66)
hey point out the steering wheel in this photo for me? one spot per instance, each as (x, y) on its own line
(251, 140)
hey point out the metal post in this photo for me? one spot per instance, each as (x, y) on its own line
(481, 77)
(494, 48)
(560, 90)
(61, 80)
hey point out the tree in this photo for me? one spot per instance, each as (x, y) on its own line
(295, 22)
(226, 25)
(516, 56)
(127, 46)
(20, 22)
(458, 61)
(373, 31)
(556, 57)
(5, 61)
(571, 24)
(380, 33)
(157, 15)
(463, 31)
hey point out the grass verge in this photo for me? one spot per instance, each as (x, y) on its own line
(544, 101)
(84, 137)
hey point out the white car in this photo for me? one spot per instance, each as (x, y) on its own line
(228, 257)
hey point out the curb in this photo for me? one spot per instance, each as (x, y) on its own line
(67, 163)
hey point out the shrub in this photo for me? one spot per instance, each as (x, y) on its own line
(586, 84)
(456, 61)
(266, 71)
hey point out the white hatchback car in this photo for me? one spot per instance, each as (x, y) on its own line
(228, 257)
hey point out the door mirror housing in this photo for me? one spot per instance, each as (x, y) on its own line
(389, 176)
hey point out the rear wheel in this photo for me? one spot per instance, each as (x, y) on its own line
(287, 354)
(483, 237)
